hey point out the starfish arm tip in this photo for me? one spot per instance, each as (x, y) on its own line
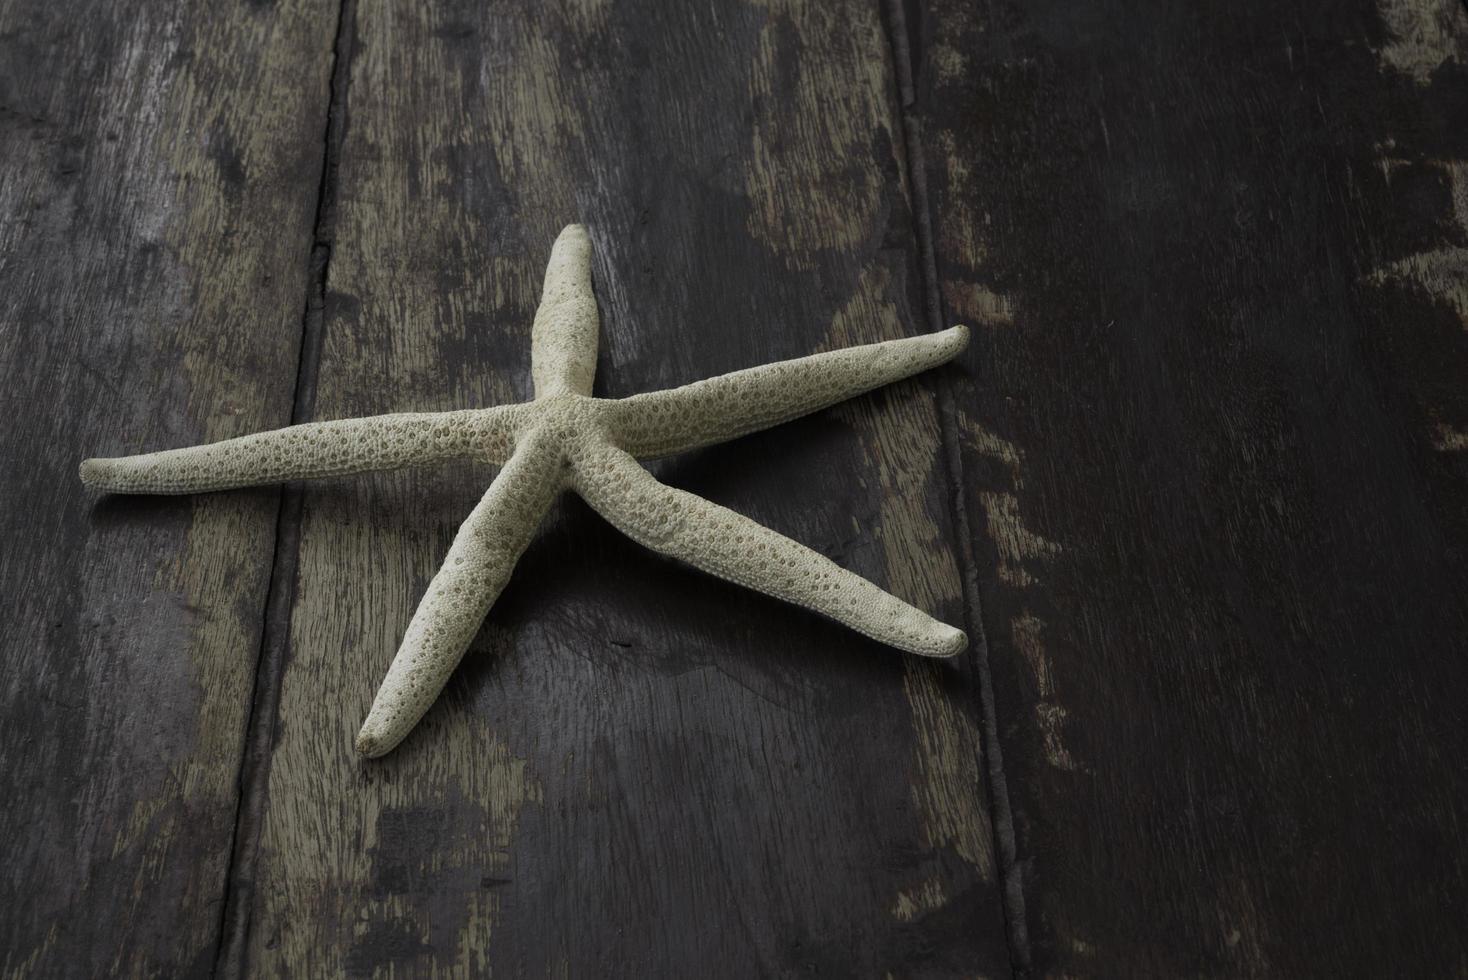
(92, 472)
(951, 642)
(958, 336)
(369, 745)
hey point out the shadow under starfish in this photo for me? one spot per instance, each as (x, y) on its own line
(566, 439)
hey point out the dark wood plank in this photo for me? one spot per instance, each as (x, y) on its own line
(1215, 447)
(157, 183)
(638, 770)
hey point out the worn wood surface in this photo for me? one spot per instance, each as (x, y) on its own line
(1214, 449)
(158, 169)
(1203, 469)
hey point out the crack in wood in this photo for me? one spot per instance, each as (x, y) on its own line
(1001, 816)
(280, 593)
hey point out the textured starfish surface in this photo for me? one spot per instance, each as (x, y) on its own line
(566, 439)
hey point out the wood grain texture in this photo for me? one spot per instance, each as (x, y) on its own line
(1214, 440)
(638, 769)
(159, 169)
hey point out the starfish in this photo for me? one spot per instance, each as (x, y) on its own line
(567, 439)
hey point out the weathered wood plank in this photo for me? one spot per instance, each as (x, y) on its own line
(1214, 443)
(638, 769)
(159, 175)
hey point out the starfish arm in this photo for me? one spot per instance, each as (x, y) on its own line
(718, 541)
(717, 409)
(314, 449)
(489, 543)
(563, 338)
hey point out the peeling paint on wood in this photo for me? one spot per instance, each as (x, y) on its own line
(1442, 270)
(1016, 544)
(914, 903)
(1450, 440)
(1422, 35)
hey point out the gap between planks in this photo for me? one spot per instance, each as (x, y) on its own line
(254, 776)
(1001, 816)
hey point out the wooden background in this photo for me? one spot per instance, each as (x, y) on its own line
(1198, 489)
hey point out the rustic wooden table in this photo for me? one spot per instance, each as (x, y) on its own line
(1198, 489)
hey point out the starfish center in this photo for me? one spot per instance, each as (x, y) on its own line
(565, 439)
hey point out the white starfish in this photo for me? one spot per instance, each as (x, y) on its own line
(563, 439)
